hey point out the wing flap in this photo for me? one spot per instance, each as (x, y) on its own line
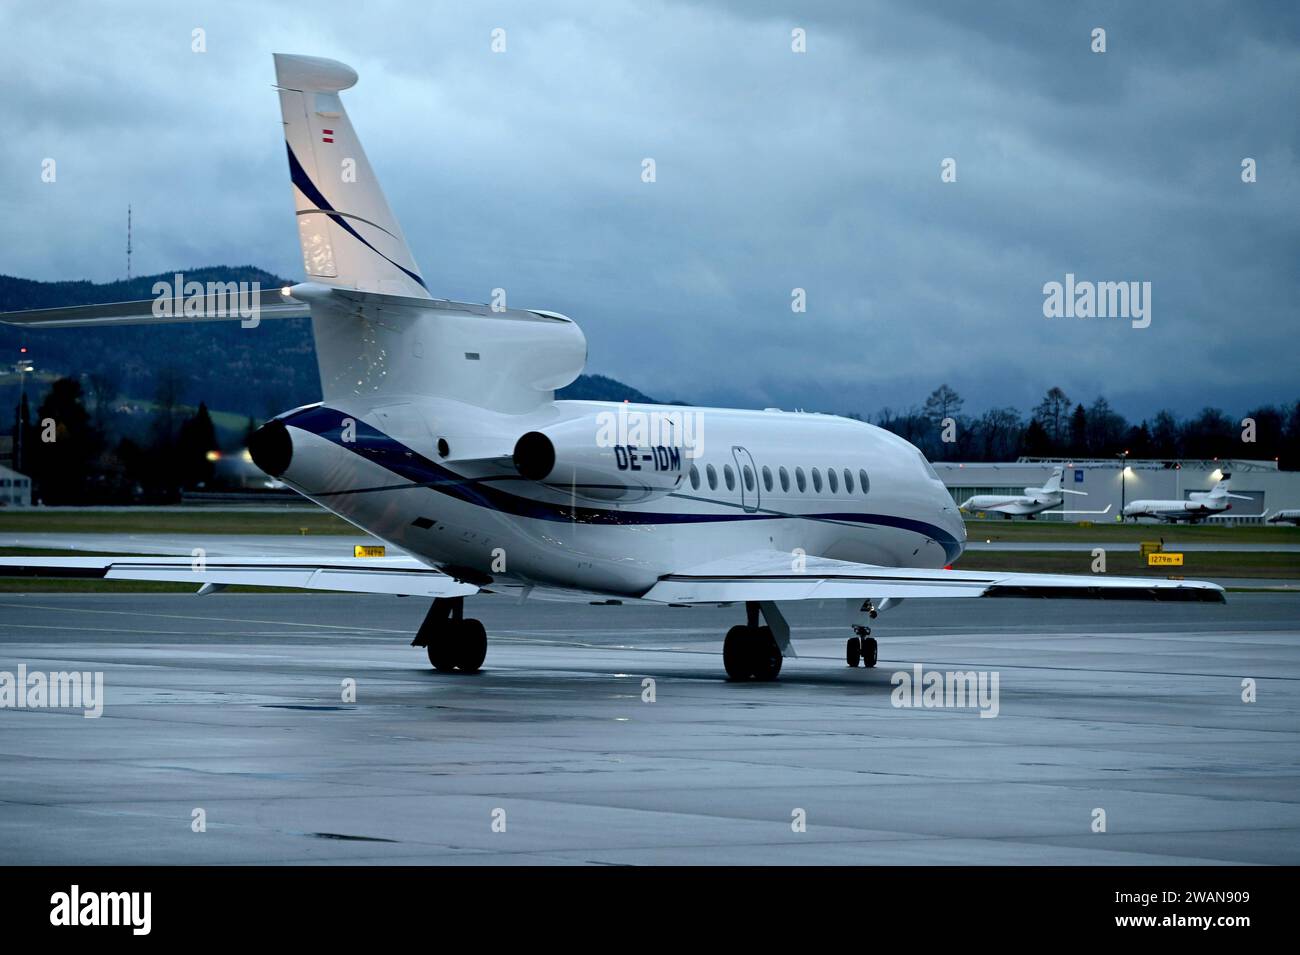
(777, 576)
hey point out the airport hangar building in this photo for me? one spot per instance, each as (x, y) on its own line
(1115, 481)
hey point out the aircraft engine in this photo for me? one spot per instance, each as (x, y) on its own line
(570, 456)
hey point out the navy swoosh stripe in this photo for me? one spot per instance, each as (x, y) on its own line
(389, 453)
(317, 198)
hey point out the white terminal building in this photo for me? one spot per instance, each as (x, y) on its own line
(15, 488)
(1112, 482)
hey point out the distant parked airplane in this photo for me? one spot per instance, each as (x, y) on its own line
(1198, 506)
(1035, 500)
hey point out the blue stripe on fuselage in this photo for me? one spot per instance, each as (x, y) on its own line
(389, 453)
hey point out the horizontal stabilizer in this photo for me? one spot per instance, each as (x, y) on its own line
(209, 306)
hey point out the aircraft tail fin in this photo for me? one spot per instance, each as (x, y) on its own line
(1222, 488)
(350, 237)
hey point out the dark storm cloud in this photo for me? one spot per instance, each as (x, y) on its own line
(775, 170)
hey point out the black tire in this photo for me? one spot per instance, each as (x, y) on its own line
(766, 654)
(736, 657)
(853, 651)
(870, 650)
(440, 654)
(471, 645)
(440, 644)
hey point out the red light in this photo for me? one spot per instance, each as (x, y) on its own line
(23, 350)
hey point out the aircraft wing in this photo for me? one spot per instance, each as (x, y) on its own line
(1104, 510)
(778, 576)
(403, 576)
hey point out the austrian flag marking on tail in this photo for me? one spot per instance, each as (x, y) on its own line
(327, 135)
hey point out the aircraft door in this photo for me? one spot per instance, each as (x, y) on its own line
(747, 473)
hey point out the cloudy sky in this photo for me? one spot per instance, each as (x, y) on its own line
(776, 170)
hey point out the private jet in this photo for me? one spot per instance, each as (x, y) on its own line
(1198, 506)
(439, 433)
(1034, 501)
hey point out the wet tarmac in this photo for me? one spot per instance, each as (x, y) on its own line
(558, 753)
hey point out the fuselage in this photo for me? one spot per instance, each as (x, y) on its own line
(433, 477)
(1018, 504)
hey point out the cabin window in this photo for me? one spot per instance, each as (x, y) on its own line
(800, 480)
(833, 480)
(817, 480)
(695, 477)
(748, 473)
(767, 478)
(784, 476)
(848, 481)
(863, 482)
(712, 477)
(730, 477)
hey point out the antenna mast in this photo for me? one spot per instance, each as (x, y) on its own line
(128, 242)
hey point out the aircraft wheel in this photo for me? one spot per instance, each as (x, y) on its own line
(439, 656)
(853, 651)
(751, 653)
(440, 644)
(767, 655)
(471, 645)
(869, 651)
(735, 653)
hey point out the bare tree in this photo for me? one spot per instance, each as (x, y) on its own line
(1052, 413)
(943, 402)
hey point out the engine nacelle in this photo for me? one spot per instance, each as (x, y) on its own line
(567, 457)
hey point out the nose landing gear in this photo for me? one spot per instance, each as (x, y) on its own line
(861, 648)
(452, 640)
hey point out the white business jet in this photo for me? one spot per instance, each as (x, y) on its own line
(439, 433)
(1198, 506)
(1035, 500)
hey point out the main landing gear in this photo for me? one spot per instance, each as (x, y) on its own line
(452, 640)
(750, 651)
